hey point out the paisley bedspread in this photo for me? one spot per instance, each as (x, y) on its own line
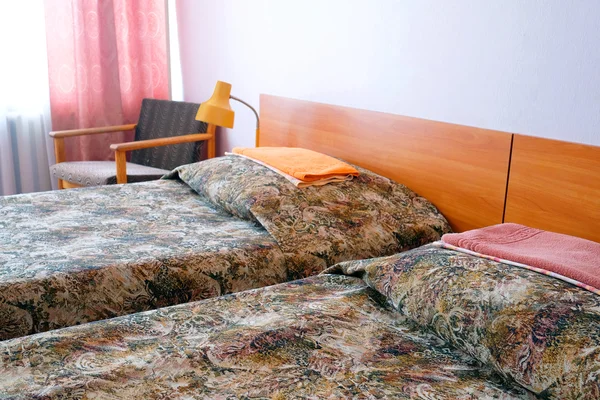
(70, 257)
(429, 323)
(535, 330)
(74, 256)
(324, 337)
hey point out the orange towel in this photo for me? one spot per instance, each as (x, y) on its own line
(303, 164)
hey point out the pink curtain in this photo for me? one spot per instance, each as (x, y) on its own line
(104, 56)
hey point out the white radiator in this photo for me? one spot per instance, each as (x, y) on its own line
(25, 153)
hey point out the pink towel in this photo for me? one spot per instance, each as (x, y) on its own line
(574, 258)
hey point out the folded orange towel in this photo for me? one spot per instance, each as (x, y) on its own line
(303, 164)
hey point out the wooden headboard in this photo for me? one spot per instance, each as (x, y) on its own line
(555, 185)
(460, 169)
(464, 171)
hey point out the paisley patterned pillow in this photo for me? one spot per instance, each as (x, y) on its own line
(542, 332)
(369, 216)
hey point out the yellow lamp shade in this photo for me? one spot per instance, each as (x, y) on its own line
(217, 110)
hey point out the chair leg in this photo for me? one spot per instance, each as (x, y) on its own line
(69, 185)
(59, 155)
(121, 160)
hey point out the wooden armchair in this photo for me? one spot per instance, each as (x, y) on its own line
(161, 123)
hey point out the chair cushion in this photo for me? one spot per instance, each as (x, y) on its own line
(94, 173)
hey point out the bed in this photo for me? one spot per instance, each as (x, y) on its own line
(429, 323)
(70, 257)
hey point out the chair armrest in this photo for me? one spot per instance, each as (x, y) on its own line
(144, 144)
(59, 139)
(92, 131)
(120, 149)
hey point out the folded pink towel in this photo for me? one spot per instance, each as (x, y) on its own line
(574, 258)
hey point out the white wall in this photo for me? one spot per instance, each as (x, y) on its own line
(175, 77)
(522, 66)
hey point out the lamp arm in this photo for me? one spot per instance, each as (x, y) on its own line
(250, 107)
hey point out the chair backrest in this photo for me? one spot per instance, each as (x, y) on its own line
(165, 118)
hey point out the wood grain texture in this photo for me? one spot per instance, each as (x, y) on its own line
(555, 185)
(69, 185)
(59, 155)
(461, 169)
(92, 131)
(121, 166)
(144, 144)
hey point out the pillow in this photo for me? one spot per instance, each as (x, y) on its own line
(367, 217)
(542, 332)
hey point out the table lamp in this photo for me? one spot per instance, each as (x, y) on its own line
(217, 110)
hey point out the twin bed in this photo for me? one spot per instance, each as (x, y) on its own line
(426, 323)
(225, 225)
(429, 323)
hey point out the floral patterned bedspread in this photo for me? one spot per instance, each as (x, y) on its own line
(533, 329)
(324, 337)
(69, 257)
(75, 256)
(370, 216)
(429, 323)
